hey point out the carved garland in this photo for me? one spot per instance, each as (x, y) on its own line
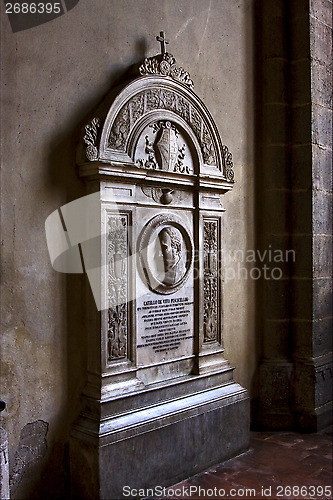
(117, 255)
(211, 285)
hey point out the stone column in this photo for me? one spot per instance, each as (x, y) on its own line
(274, 225)
(311, 65)
(295, 379)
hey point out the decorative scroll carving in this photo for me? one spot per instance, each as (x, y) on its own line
(229, 173)
(165, 65)
(117, 256)
(196, 122)
(164, 99)
(90, 138)
(164, 153)
(211, 285)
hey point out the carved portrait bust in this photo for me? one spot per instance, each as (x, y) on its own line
(166, 253)
(171, 247)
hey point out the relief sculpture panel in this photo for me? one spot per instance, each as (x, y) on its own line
(211, 280)
(117, 259)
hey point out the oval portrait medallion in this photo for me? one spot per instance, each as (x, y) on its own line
(166, 253)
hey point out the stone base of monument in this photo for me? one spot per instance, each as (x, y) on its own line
(159, 436)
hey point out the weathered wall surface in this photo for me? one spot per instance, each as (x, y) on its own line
(53, 76)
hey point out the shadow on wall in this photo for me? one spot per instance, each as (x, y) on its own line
(257, 98)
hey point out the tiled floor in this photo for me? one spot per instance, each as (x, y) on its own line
(279, 465)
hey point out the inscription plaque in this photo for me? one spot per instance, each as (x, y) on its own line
(166, 324)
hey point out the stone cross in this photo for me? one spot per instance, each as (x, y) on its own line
(163, 41)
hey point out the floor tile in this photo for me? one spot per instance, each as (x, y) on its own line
(277, 466)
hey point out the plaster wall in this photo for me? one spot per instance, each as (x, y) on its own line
(53, 76)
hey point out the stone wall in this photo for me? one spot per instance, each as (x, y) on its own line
(53, 76)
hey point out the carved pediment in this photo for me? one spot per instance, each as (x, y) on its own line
(158, 123)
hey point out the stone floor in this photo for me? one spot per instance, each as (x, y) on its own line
(279, 465)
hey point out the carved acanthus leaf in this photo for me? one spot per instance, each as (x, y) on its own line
(165, 65)
(229, 173)
(90, 139)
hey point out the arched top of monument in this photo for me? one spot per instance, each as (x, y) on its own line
(157, 123)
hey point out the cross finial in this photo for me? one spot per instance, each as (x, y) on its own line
(163, 41)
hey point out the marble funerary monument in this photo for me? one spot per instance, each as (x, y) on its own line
(160, 402)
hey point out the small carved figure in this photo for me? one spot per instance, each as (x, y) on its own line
(151, 162)
(179, 166)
